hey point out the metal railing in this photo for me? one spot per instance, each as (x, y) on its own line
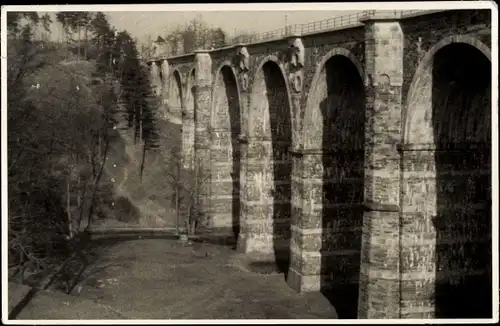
(313, 27)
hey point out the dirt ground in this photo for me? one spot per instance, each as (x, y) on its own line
(164, 279)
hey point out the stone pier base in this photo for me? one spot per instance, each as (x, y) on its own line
(261, 244)
(303, 283)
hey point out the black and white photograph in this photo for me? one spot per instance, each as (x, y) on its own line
(250, 163)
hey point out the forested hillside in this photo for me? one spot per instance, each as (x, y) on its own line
(83, 142)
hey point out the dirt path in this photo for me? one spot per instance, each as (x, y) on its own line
(162, 279)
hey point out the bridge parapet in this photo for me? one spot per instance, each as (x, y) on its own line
(321, 26)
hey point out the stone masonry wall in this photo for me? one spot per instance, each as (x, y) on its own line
(267, 187)
(379, 277)
(326, 238)
(446, 210)
(446, 249)
(188, 122)
(408, 218)
(422, 33)
(202, 141)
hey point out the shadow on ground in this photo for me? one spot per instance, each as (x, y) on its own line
(160, 278)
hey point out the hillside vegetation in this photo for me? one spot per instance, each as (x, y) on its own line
(83, 144)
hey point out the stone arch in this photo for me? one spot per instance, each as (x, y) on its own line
(189, 92)
(269, 163)
(176, 71)
(312, 135)
(257, 82)
(218, 73)
(414, 113)
(225, 123)
(446, 179)
(175, 100)
(333, 170)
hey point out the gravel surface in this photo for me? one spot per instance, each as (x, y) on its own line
(165, 279)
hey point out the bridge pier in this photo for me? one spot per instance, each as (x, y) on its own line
(163, 71)
(367, 209)
(188, 123)
(241, 237)
(256, 233)
(379, 293)
(188, 126)
(202, 104)
(155, 77)
(304, 273)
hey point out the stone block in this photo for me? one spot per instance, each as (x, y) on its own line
(256, 243)
(222, 220)
(303, 283)
(380, 299)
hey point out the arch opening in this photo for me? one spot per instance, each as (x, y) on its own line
(336, 132)
(174, 104)
(226, 155)
(270, 122)
(452, 114)
(461, 105)
(190, 94)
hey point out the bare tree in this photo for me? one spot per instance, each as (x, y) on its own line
(186, 186)
(196, 34)
(244, 37)
(58, 128)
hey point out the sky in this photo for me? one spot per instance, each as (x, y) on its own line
(141, 24)
(156, 23)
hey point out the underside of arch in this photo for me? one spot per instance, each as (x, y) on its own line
(268, 85)
(225, 97)
(333, 173)
(335, 107)
(446, 180)
(418, 115)
(225, 152)
(269, 164)
(174, 102)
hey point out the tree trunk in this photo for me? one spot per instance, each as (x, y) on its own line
(22, 256)
(78, 196)
(96, 185)
(21, 266)
(68, 203)
(78, 47)
(81, 208)
(177, 198)
(99, 146)
(140, 124)
(134, 110)
(139, 120)
(189, 218)
(86, 42)
(65, 40)
(143, 161)
(193, 227)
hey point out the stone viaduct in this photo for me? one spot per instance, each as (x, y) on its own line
(357, 156)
